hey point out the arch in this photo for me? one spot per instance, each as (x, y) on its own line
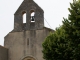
(28, 58)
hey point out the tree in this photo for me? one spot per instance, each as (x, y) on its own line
(55, 47)
(72, 28)
(64, 43)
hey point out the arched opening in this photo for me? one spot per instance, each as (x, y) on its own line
(29, 58)
(32, 16)
(24, 17)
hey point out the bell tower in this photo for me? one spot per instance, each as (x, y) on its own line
(32, 22)
(24, 42)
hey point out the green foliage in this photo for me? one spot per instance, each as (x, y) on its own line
(64, 43)
(55, 47)
(72, 28)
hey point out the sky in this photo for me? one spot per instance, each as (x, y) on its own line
(54, 11)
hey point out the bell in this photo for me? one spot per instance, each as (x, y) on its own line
(32, 18)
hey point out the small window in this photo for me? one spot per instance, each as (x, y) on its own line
(24, 17)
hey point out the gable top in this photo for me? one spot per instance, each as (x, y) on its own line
(28, 4)
(27, 7)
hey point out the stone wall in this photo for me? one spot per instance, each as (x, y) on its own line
(26, 43)
(3, 53)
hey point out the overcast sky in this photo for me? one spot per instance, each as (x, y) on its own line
(54, 11)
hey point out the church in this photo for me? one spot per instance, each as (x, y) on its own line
(24, 42)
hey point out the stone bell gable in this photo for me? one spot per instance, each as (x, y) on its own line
(28, 7)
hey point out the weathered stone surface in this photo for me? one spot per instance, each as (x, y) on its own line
(3, 53)
(26, 43)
